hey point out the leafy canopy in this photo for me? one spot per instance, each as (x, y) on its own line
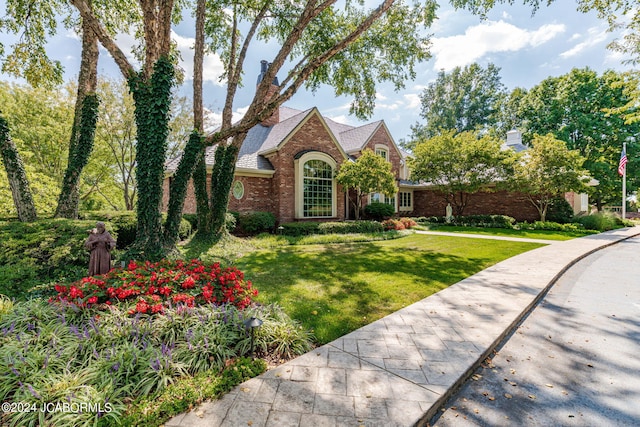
(370, 173)
(548, 170)
(460, 164)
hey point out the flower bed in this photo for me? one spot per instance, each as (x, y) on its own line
(152, 287)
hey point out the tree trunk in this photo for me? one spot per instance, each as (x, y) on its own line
(152, 100)
(190, 158)
(16, 175)
(203, 210)
(84, 126)
(221, 180)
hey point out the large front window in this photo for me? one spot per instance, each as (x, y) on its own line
(318, 189)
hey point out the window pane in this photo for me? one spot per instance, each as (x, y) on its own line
(318, 189)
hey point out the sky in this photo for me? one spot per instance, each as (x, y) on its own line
(526, 48)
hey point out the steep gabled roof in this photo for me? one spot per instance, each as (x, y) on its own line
(356, 138)
(262, 140)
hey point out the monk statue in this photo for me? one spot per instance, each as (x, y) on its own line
(100, 244)
(449, 213)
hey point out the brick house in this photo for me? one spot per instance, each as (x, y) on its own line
(287, 166)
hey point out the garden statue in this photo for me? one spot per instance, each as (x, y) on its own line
(100, 244)
(449, 213)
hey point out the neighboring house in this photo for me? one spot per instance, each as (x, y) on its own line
(288, 163)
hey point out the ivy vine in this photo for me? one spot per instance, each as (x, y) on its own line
(152, 101)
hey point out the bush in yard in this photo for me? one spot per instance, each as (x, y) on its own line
(304, 228)
(379, 211)
(41, 252)
(150, 288)
(256, 222)
(600, 222)
(392, 224)
(57, 354)
(560, 211)
(408, 222)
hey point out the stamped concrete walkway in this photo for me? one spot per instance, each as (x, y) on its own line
(398, 370)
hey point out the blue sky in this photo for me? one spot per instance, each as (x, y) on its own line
(527, 48)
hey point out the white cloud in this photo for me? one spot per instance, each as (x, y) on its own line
(212, 65)
(488, 37)
(412, 100)
(344, 119)
(594, 37)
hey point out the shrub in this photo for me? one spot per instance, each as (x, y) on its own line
(300, 228)
(41, 252)
(560, 211)
(230, 221)
(408, 222)
(600, 222)
(551, 226)
(379, 211)
(392, 224)
(256, 222)
(124, 225)
(152, 287)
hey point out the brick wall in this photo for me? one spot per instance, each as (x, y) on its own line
(311, 136)
(516, 205)
(257, 196)
(381, 137)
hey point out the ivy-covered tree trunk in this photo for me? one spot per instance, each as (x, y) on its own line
(16, 175)
(190, 158)
(152, 98)
(221, 180)
(203, 210)
(84, 126)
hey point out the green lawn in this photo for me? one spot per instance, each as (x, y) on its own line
(529, 234)
(336, 288)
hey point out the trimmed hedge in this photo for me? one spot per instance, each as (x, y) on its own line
(307, 228)
(256, 222)
(488, 221)
(379, 211)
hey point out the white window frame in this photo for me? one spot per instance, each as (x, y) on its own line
(379, 149)
(400, 206)
(299, 183)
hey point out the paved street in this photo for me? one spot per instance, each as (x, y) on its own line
(574, 361)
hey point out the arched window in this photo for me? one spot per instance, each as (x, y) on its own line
(315, 186)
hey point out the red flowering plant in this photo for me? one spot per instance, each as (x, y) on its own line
(392, 224)
(151, 287)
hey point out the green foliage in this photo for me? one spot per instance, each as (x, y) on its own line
(560, 211)
(16, 175)
(547, 170)
(186, 392)
(78, 158)
(461, 164)
(379, 211)
(152, 101)
(370, 173)
(221, 179)
(600, 221)
(488, 221)
(54, 353)
(551, 226)
(256, 222)
(465, 99)
(311, 227)
(41, 252)
(589, 113)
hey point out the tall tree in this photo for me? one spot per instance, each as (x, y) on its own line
(350, 48)
(548, 170)
(20, 190)
(369, 173)
(581, 108)
(466, 99)
(84, 125)
(461, 164)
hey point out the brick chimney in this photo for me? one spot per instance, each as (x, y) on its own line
(273, 89)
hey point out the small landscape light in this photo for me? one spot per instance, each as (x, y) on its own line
(252, 323)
